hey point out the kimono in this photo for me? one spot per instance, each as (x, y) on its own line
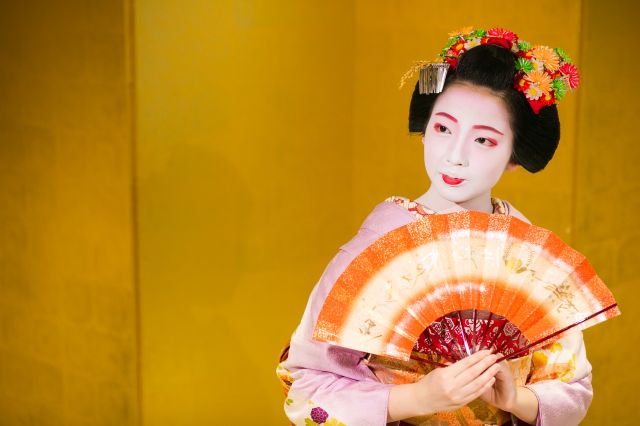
(331, 385)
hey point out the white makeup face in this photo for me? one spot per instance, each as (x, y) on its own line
(467, 146)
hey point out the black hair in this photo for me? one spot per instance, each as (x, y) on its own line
(535, 136)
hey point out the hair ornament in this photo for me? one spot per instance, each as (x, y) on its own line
(431, 76)
(543, 74)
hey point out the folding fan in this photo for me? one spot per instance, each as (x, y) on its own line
(456, 283)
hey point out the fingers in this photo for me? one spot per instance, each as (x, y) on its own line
(481, 383)
(505, 371)
(468, 378)
(483, 389)
(476, 369)
(465, 363)
(475, 374)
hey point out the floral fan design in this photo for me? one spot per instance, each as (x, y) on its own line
(457, 283)
(461, 333)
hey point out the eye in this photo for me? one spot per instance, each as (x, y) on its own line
(486, 141)
(439, 128)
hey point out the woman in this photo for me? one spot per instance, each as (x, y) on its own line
(497, 112)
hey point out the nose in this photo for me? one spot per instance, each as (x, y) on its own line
(456, 154)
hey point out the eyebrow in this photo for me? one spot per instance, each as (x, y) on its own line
(477, 126)
(449, 116)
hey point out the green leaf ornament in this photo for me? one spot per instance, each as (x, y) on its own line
(559, 87)
(523, 45)
(563, 55)
(524, 65)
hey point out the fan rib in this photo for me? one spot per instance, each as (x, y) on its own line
(537, 343)
(462, 333)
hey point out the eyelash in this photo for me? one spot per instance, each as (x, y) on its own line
(438, 128)
(491, 142)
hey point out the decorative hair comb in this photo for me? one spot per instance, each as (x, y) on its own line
(543, 74)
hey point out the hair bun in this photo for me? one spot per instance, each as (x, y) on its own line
(487, 65)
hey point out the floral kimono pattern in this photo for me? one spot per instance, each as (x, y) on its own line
(329, 385)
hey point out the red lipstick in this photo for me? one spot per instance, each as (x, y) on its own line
(451, 181)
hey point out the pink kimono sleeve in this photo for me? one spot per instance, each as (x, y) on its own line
(561, 380)
(331, 384)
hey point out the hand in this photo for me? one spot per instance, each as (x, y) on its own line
(503, 392)
(449, 388)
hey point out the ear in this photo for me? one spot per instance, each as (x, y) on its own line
(512, 166)
(422, 138)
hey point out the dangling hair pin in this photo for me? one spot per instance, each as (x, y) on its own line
(431, 76)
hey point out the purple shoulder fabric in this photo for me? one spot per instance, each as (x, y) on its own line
(384, 218)
(331, 379)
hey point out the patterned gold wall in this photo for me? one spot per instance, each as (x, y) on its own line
(158, 245)
(606, 197)
(68, 339)
(244, 159)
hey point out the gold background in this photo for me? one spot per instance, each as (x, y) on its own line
(174, 177)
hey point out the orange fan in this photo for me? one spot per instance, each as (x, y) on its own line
(454, 268)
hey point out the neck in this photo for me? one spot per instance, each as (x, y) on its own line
(433, 200)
